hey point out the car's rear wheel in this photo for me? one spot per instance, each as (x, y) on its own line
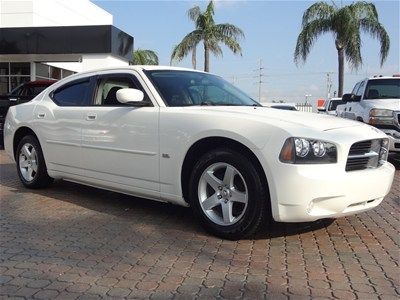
(31, 166)
(227, 194)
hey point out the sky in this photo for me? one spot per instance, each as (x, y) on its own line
(271, 29)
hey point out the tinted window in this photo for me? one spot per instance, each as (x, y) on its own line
(334, 103)
(383, 89)
(33, 90)
(75, 94)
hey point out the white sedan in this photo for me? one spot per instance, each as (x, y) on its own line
(191, 138)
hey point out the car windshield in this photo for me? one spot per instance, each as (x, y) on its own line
(186, 88)
(334, 103)
(382, 89)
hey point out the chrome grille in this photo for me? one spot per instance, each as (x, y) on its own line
(364, 155)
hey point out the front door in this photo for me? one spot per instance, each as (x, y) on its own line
(120, 143)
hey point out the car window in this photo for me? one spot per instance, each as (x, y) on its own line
(360, 89)
(382, 89)
(107, 87)
(32, 90)
(334, 103)
(73, 94)
(355, 89)
(186, 88)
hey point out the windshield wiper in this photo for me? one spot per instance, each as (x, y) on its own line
(207, 103)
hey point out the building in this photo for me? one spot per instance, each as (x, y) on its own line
(51, 39)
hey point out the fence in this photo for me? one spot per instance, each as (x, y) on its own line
(306, 107)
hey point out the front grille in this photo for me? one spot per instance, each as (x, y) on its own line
(364, 155)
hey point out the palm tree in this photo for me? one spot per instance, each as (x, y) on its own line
(210, 34)
(346, 23)
(144, 57)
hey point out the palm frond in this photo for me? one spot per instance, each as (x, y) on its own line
(187, 44)
(319, 10)
(352, 50)
(232, 44)
(308, 35)
(363, 9)
(144, 57)
(194, 13)
(229, 30)
(377, 31)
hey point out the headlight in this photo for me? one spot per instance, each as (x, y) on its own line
(381, 117)
(380, 112)
(384, 151)
(308, 151)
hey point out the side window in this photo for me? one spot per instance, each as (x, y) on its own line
(360, 89)
(354, 91)
(73, 94)
(107, 87)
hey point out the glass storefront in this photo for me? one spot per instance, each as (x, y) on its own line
(13, 74)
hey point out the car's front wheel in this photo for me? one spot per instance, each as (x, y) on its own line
(228, 195)
(31, 166)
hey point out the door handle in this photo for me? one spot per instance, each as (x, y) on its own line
(91, 117)
(13, 99)
(41, 115)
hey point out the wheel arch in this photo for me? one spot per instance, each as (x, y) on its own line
(207, 144)
(19, 134)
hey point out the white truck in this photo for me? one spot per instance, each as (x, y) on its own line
(330, 106)
(376, 101)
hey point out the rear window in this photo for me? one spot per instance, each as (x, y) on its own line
(73, 94)
(334, 103)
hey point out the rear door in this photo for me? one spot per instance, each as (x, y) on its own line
(59, 120)
(120, 142)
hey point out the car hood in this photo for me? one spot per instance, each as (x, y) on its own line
(392, 104)
(265, 114)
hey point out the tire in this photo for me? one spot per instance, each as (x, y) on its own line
(31, 166)
(246, 191)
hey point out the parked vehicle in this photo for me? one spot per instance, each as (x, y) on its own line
(284, 106)
(330, 106)
(376, 101)
(193, 139)
(21, 94)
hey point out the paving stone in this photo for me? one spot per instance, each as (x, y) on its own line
(75, 242)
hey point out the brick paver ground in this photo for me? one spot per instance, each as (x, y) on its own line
(71, 241)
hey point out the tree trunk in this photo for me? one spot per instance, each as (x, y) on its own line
(194, 60)
(341, 71)
(206, 58)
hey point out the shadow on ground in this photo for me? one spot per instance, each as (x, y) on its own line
(120, 205)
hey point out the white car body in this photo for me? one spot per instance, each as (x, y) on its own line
(141, 150)
(360, 111)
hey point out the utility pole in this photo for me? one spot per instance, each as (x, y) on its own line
(328, 84)
(260, 78)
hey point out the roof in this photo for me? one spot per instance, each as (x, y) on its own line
(136, 68)
(41, 82)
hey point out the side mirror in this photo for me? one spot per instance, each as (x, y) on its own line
(127, 96)
(348, 97)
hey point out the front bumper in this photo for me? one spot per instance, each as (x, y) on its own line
(317, 192)
(394, 140)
